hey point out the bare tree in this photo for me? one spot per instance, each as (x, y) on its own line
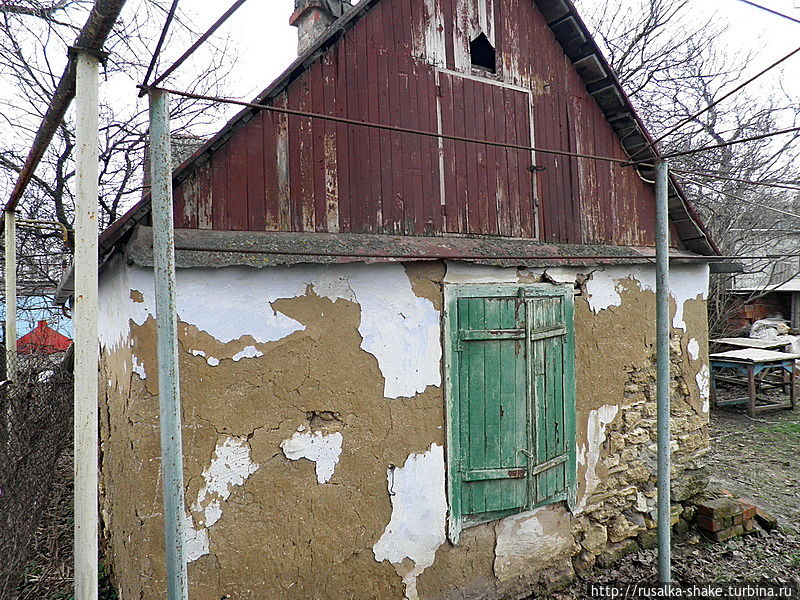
(672, 67)
(34, 37)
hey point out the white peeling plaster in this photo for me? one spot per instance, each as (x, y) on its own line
(116, 309)
(419, 511)
(210, 360)
(138, 367)
(561, 275)
(322, 449)
(693, 347)
(686, 282)
(230, 467)
(400, 329)
(589, 454)
(703, 379)
(248, 352)
(461, 272)
(528, 540)
(196, 540)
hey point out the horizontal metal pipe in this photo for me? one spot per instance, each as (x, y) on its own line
(384, 127)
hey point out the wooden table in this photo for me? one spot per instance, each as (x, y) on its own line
(745, 342)
(754, 367)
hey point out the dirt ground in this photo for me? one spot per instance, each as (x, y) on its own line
(759, 459)
(754, 459)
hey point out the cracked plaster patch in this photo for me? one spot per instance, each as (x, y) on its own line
(686, 282)
(703, 379)
(321, 449)
(693, 348)
(400, 329)
(230, 467)
(419, 512)
(589, 454)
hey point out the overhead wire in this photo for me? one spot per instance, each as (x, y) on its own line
(771, 184)
(769, 10)
(200, 41)
(727, 144)
(739, 198)
(162, 37)
(692, 117)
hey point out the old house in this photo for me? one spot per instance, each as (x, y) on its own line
(411, 367)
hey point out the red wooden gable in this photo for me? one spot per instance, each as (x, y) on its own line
(408, 63)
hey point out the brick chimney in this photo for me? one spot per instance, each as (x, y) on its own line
(313, 17)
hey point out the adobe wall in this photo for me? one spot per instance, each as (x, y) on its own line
(302, 385)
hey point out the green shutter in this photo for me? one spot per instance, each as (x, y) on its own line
(509, 353)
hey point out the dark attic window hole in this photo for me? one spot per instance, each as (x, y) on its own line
(483, 54)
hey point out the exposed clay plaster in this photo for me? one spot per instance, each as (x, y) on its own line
(322, 449)
(589, 454)
(686, 282)
(230, 467)
(419, 511)
(693, 347)
(531, 540)
(398, 328)
(703, 379)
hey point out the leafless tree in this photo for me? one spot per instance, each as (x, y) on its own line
(672, 67)
(34, 37)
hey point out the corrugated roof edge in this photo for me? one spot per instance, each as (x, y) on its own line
(558, 13)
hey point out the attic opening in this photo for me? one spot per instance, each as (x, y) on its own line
(483, 54)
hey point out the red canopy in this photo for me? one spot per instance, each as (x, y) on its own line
(42, 340)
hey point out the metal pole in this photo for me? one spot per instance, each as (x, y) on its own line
(11, 293)
(167, 330)
(663, 371)
(85, 325)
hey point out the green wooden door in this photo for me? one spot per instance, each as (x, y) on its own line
(492, 399)
(510, 401)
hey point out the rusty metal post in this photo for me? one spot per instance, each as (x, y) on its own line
(167, 332)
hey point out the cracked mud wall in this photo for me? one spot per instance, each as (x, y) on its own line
(308, 518)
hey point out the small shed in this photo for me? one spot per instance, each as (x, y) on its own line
(411, 367)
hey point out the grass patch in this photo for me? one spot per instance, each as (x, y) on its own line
(791, 428)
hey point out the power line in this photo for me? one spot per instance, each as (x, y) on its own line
(392, 128)
(161, 39)
(769, 10)
(743, 200)
(200, 41)
(754, 138)
(778, 185)
(692, 117)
